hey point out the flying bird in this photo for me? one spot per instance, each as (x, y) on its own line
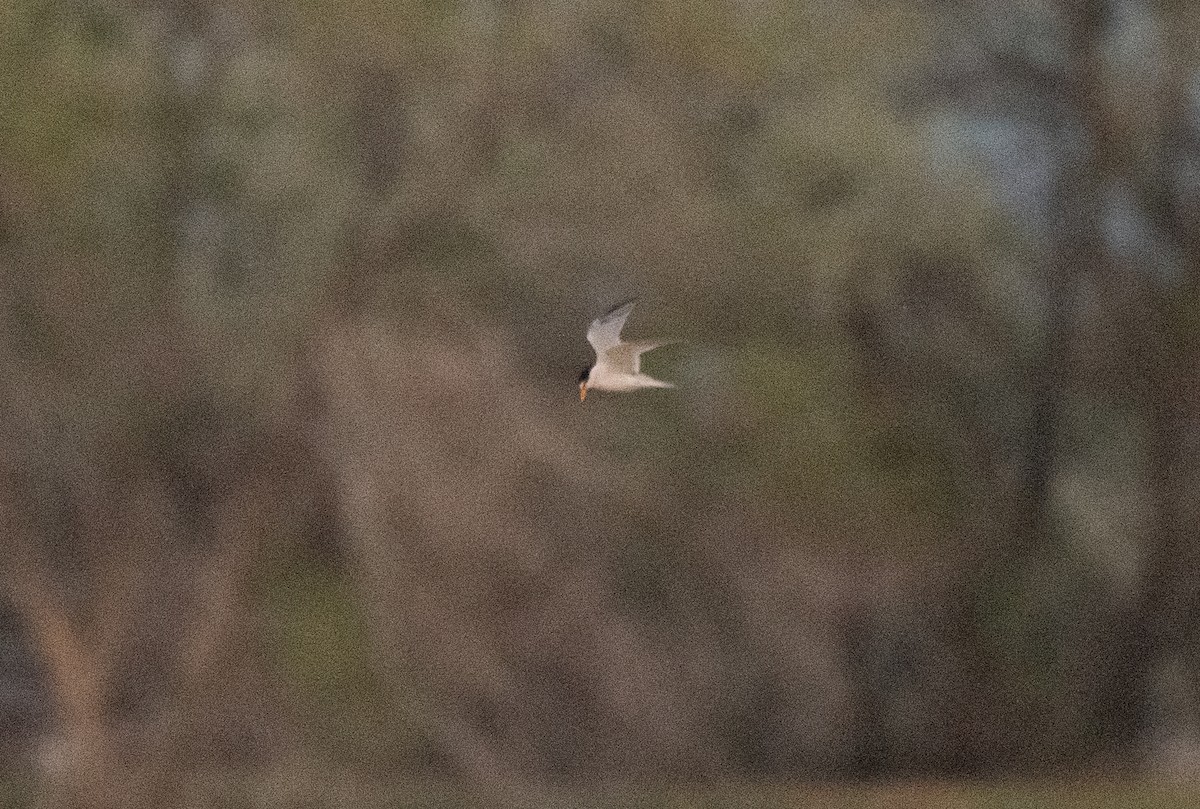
(617, 366)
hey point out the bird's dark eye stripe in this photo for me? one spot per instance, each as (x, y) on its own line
(583, 375)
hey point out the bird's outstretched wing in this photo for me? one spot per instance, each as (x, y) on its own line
(626, 357)
(605, 331)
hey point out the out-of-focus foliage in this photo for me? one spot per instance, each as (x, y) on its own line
(292, 471)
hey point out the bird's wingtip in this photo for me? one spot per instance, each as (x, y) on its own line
(625, 304)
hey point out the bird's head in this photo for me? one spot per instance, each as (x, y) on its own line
(583, 380)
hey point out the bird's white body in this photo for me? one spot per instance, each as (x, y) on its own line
(623, 383)
(618, 364)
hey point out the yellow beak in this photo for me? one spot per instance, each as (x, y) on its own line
(582, 391)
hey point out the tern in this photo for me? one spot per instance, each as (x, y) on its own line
(617, 366)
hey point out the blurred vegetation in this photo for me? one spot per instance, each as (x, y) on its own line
(297, 494)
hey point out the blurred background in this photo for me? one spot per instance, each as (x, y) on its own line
(298, 503)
